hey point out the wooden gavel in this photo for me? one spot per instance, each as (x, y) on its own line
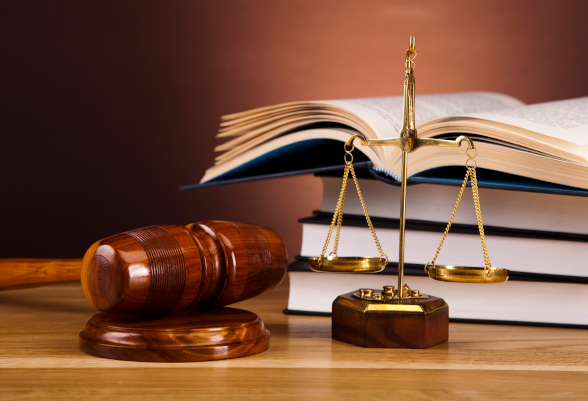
(167, 268)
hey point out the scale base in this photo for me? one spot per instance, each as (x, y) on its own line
(407, 323)
(193, 336)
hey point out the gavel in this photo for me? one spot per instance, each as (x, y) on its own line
(170, 268)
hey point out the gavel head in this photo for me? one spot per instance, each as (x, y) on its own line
(163, 269)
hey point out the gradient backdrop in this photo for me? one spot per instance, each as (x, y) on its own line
(107, 107)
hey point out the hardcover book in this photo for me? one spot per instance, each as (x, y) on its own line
(517, 302)
(520, 251)
(545, 142)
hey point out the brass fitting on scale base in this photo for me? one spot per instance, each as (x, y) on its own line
(389, 293)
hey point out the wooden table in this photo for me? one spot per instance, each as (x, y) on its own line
(39, 359)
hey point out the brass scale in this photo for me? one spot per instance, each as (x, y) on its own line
(408, 143)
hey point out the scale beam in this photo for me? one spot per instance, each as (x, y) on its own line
(403, 317)
(408, 142)
(414, 144)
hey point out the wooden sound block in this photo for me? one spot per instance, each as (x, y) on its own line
(411, 323)
(196, 335)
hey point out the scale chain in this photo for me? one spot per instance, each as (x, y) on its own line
(367, 216)
(338, 215)
(471, 174)
(476, 195)
(341, 206)
(463, 185)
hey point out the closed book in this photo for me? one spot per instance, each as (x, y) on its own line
(505, 208)
(525, 251)
(540, 301)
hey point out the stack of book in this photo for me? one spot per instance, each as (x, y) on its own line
(533, 178)
(542, 238)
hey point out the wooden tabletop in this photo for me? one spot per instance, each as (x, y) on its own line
(39, 359)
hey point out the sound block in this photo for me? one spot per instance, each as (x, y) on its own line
(193, 336)
(407, 323)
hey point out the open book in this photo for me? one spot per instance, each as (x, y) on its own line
(547, 141)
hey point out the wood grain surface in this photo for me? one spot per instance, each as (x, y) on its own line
(191, 336)
(25, 273)
(355, 323)
(40, 359)
(171, 268)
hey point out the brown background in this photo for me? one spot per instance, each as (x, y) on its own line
(107, 107)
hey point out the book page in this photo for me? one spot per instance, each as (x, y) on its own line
(565, 119)
(384, 114)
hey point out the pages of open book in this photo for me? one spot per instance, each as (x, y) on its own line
(374, 117)
(566, 120)
(337, 134)
(384, 114)
(555, 131)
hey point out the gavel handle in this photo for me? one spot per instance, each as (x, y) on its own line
(23, 273)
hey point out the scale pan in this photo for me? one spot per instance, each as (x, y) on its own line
(461, 274)
(348, 264)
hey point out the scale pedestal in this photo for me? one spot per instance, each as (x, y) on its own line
(404, 323)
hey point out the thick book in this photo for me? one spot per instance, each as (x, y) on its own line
(540, 301)
(544, 212)
(544, 142)
(522, 251)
